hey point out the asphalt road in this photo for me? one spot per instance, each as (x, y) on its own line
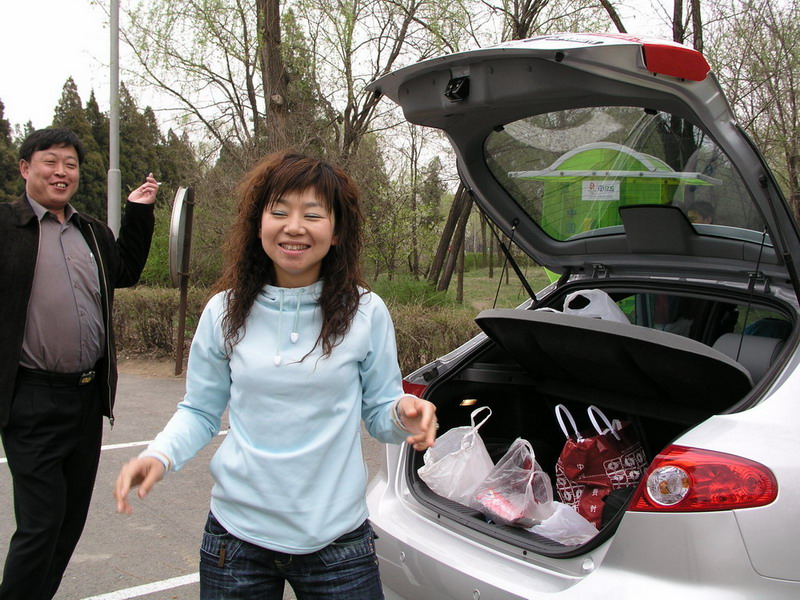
(153, 553)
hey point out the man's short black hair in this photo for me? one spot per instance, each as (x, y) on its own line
(42, 139)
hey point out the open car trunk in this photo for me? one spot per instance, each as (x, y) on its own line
(663, 383)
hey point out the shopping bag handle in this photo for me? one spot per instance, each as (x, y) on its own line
(611, 427)
(475, 412)
(527, 445)
(563, 410)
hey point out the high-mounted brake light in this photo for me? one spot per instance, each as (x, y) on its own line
(664, 57)
(682, 479)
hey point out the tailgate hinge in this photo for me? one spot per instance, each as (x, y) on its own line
(753, 277)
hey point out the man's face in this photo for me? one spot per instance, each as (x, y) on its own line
(51, 176)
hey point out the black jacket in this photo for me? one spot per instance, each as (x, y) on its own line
(120, 264)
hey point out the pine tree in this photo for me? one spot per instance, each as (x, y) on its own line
(99, 122)
(92, 193)
(139, 139)
(10, 181)
(177, 162)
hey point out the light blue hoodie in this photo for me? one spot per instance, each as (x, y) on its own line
(289, 475)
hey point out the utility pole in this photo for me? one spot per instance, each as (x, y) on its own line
(114, 176)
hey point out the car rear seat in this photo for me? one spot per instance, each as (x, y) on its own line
(755, 353)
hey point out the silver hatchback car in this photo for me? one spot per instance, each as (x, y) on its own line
(617, 164)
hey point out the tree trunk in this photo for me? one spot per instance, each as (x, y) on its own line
(273, 72)
(447, 235)
(457, 243)
(491, 257)
(483, 240)
(678, 30)
(613, 15)
(697, 25)
(460, 271)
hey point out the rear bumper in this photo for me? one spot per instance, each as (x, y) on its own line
(424, 556)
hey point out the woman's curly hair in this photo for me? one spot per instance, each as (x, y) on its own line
(248, 268)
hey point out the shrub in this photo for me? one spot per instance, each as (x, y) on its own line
(146, 319)
(156, 271)
(146, 324)
(425, 333)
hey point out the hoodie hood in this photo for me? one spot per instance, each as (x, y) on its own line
(291, 304)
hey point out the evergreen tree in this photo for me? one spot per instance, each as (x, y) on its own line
(92, 193)
(177, 162)
(139, 140)
(99, 122)
(309, 113)
(20, 133)
(10, 181)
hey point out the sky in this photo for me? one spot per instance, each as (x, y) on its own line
(44, 42)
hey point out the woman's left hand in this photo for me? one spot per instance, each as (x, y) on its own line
(419, 417)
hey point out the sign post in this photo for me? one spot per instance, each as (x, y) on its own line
(180, 248)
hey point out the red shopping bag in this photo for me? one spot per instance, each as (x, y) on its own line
(591, 466)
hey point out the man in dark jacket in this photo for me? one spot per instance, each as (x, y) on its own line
(58, 371)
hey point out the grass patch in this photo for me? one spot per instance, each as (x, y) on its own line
(480, 290)
(404, 289)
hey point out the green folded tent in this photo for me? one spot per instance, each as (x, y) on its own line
(585, 187)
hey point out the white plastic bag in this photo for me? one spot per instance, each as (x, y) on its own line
(516, 492)
(459, 461)
(595, 304)
(566, 526)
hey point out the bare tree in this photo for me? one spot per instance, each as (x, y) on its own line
(755, 50)
(355, 42)
(687, 23)
(224, 65)
(525, 18)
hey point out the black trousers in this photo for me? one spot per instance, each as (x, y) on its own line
(52, 443)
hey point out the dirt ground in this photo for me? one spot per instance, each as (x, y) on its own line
(162, 368)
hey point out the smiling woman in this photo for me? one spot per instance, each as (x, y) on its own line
(297, 231)
(300, 353)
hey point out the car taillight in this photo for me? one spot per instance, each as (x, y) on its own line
(682, 479)
(414, 388)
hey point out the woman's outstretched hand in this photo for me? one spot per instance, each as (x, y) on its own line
(419, 417)
(143, 473)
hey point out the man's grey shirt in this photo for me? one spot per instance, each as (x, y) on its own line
(64, 332)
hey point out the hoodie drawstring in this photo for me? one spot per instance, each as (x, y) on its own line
(277, 359)
(295, 335)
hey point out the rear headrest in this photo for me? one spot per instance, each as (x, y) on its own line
(754, 353)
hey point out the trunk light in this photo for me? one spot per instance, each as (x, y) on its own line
(682, 479)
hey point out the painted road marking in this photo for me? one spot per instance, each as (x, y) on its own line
(118, 446)
(150, 588)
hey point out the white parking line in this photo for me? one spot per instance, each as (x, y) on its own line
(150, 588)
(118, 446)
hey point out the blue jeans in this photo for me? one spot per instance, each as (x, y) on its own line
(231, 569)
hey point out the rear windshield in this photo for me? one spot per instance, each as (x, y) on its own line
(571, 171)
